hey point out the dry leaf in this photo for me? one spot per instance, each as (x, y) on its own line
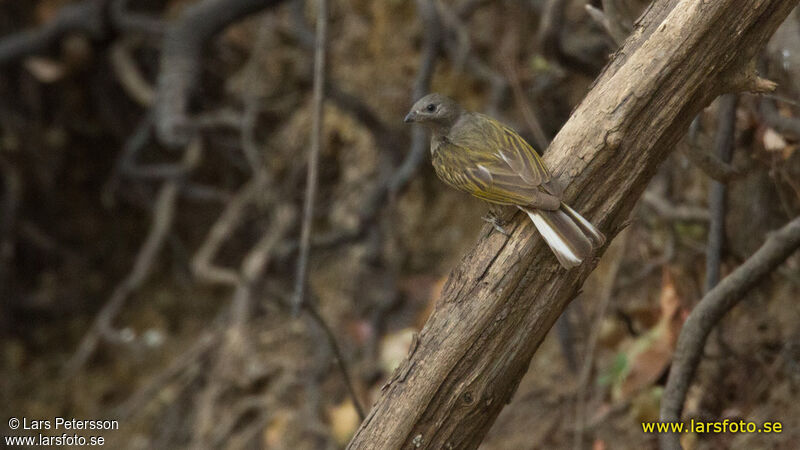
(773, 141)
(344, 421)
(45, 70)
(276, 428)
(394, 348)
(649, 355)
(788, 151)
(423, 289)
(599, 444)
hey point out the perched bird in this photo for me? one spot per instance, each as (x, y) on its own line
(476, 154)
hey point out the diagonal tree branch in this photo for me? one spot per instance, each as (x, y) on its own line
(501, 301)
(711, 309)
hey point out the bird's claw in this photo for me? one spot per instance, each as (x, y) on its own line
(496, 222)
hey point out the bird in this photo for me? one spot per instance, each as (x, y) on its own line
(479, 155)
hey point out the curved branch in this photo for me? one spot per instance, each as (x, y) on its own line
(125, 20)
(180, 61)
(85, 17)
(724, 145)
(711, 309)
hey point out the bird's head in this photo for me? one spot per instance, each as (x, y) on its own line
(434, 111)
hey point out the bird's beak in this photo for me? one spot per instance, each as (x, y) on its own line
(410, 117)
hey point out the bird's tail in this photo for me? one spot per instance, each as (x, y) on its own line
(571, 237)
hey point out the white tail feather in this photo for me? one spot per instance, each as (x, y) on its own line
(597, 238)
(565, 255)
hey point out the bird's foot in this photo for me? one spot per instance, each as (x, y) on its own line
(496, 222)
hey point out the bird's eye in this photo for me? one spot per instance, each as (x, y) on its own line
(431, 107)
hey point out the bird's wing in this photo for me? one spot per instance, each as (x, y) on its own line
(492, 162)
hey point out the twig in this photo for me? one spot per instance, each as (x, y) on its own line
(668, 211)
(163, 215)
(711, 309)
(189, 356)
(204, 193)
(710, 164)
(84, 17)
(620, 25)
(134, 144)
(180, 61)
(781, 123)
(234, 348)
(129, 75)
(599, 16)
(430, 52)
(532, 120)
(256, 260)
(127, 21)
(340, 361)
(252, 97)
(313, 156)
(723, 145)
(202, 262)
(551, 24)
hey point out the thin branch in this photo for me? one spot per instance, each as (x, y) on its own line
(128, 21)
(130, 77)
(202, 262)
(430, 51)
(710, 164)
(531, 118)
(133, 145)
(602, 19)
(723, 145)
(711, 309)
(337, 352)
(84, 17)
(205, 342)
(781, 123)
(163, 216)
(617, 25)
(313, 155)
(668, 211)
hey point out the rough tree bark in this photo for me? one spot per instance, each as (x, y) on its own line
(507, 292)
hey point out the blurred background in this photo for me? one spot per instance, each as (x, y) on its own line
(146, 276)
